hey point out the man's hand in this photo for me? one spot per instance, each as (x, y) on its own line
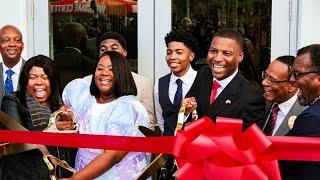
(190, 104)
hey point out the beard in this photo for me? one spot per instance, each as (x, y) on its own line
(304, 100)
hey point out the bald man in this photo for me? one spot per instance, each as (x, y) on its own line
(11, 47)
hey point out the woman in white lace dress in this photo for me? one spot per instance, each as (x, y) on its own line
(107, 106)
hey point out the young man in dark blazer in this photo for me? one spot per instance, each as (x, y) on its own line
(232, 96)
(181, 51)
(306, 77)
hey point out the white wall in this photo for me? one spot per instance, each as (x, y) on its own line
(146, 38)
(15, 12)
(162, 27)
(308, 23)
(283, 28)
(153, 24)
(40, 26)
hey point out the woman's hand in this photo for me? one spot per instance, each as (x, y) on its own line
(64, 119)
(190, 105)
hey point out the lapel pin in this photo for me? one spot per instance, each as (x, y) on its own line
(228, 101)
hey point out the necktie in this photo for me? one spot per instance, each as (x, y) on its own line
(178, 96)
(8, 82)
(215, 87)
(272, 120)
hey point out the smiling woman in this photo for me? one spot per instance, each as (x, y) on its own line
(107, 106)
(31, 106)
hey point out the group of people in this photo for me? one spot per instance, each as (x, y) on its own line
(115, 101)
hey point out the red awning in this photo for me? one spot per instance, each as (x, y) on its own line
(117, 7)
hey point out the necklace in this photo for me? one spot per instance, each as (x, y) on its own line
(315, 100)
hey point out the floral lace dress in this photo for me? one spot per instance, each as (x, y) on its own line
(120, 117)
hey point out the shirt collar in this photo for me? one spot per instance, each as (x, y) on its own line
(15, 69)
(186, 78)
(286, 106)
(224, 82)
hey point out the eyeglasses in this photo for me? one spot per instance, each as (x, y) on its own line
(298, 75)
(270, 79)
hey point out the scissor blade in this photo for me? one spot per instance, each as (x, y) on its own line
(158, 162)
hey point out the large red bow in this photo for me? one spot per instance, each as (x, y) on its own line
(205, 150)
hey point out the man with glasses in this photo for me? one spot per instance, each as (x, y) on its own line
(306, 77)
(281, 96)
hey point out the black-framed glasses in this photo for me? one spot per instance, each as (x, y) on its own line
(270, 79)
(298, 75)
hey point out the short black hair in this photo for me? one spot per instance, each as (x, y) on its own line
(314, 51)
(123, 83)
(74, 35)
(182, 36)
(112, 35)
(230, 34)
(49, 69)
(288, 60)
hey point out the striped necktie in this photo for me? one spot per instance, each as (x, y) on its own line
(272, 120)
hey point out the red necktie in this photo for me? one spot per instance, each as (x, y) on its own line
(215, 87)
(268, 130)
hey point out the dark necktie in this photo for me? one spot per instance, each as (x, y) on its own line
(8, 82)
(178, 96)
(215, 87)
(268, 130)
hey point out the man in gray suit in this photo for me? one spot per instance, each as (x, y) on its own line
(281, 96)
(11, 46)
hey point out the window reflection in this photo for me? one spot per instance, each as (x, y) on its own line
(252, 18)
(97, 17)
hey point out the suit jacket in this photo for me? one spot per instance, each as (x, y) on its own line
(145, 96)
(71, 64)
(306, 124)
(239, 99)
(295, 110)
(2, 89)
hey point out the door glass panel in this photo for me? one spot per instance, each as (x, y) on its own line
(252, 18)
(97, 17)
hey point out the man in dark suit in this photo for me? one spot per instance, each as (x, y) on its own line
(219, 88)
(281, 96)
(71, 63)
(306, 77)
(11, 46)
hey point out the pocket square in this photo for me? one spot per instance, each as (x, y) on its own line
(228, 101)
(291, 121)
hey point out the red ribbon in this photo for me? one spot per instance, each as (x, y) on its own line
(204, 150)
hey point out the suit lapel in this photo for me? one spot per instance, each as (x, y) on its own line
(228, 96)
(284, 128)
(2, 92)
(23, 62)
(267, 113)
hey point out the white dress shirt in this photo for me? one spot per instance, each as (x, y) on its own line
(15, 77)
(224, 82)
(284, 109)
(187, 81)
